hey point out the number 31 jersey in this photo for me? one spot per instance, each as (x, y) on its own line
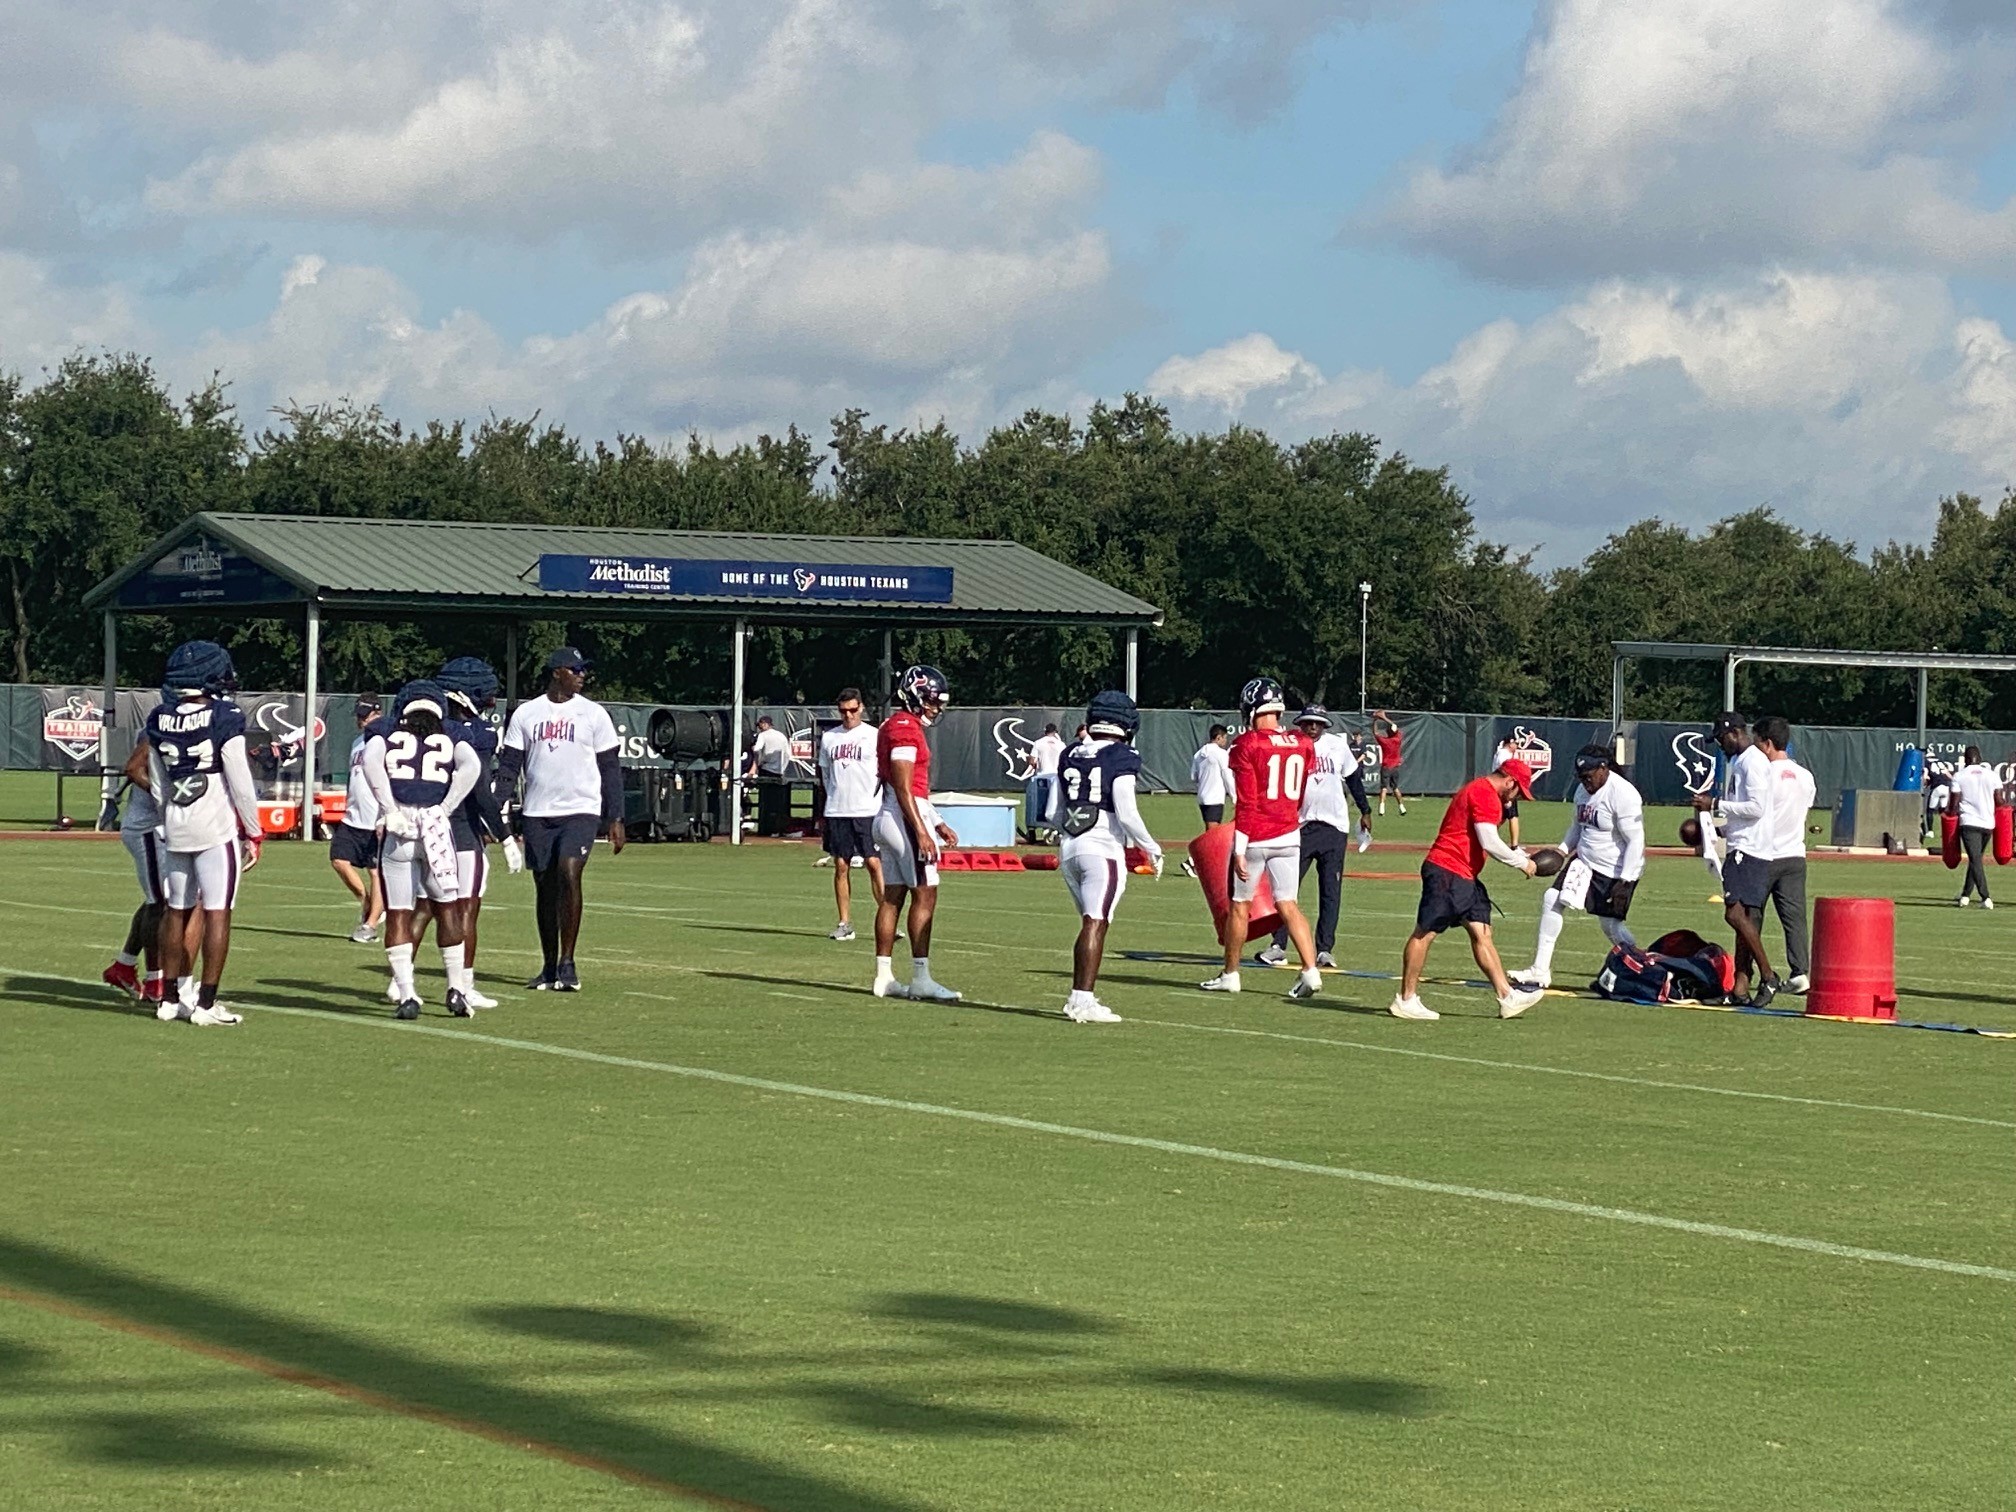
(1085, 781)
(1269, 770)
(189, 743)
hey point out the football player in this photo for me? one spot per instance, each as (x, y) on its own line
(420, 773)
(1269, 768)
(908, 833)
(471, 685)
(1453, 891)
(1093, 806)
(1326, 830)
(847, 771)
(1605, 851)
(200, 775)
(137, 825)
(566, 747)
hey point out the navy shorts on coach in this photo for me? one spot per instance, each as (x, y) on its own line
(1746, 879)
(850, 839)
(357, 846)
(551, 840)
(1448, 900)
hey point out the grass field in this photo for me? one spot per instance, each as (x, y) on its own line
(724, 1227)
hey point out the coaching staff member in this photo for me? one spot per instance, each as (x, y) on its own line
(565, 748)
(1746, 874)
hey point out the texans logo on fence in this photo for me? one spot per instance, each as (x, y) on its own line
(1532, 750)
(1696, 760)
(75, 728)
(276, 719)
(805, 580)
(1013, 745)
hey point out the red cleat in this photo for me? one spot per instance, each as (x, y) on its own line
(154, 990)
(124, 977)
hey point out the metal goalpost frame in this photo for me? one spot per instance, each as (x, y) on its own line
(1733, 657)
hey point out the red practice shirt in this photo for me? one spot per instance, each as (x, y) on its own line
(1269, 768)
(1456, 848)
(905, 731)
(1389, 749)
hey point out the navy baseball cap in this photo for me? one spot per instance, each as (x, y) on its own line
(567, 659)
(368, 706)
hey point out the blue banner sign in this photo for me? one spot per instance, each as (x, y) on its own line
(201, 571)
(809, 582)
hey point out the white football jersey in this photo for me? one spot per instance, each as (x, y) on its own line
(1608, 830)
(847, 766)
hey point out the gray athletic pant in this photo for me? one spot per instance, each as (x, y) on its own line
(1787, 892)
(1974, 842)
(1323, 848)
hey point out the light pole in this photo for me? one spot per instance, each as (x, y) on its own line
(1364, 624)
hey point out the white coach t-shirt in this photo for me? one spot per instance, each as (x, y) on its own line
(560, 742)
(847, 766)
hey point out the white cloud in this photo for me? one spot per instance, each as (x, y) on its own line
(1849, 402)
(43, 320)
(1698, 135)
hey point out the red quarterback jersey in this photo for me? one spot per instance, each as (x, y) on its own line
(1269, 768)
(904, 732)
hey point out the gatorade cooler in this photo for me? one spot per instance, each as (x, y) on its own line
(2005, 833)
(1949, 839)
(1910, 771)
(1211, 854)
(1854, 959)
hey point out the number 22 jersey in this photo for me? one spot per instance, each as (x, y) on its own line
(1269, 768)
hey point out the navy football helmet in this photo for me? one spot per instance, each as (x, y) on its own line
(421, 696)
(924, 691)
(1262, 695)
(200, 667)
(1112, 713)
(471, 682)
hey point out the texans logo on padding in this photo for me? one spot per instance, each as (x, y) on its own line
(1535, 752)
(1016, 758)
(804, 579)
(1696, 759)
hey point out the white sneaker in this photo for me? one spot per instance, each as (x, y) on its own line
(1272, 955)
(1092, 1013)
(210, 1018)
(1306, 985)
(477, 999)
(1326, 961)
(842, 932)
(1799, 985)
(1987, 902)
(1962, 901)
(1225, 981)
(1531, 978)
(889, 987)
(1411, 1008)
(364, 934)
(1188, 868)
(1403, 810)
(929, 991)
(823, 861)
(1517, 1002)
(169, 1009)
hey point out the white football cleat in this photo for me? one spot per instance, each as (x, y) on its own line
(1799, 985)
(477, 999)
(1531, 978)
(842, 932)
(1225, 981)
(170, 1009)
(928, 991)
(1988, 903)
(1411, 1008)
(1188, 868)
(364, 934)
(1092, 1013)
(1306, 985)
(1518, 1001)
(210, 1018)
(889, 987)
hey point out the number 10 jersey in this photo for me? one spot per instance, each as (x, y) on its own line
(1269, 770)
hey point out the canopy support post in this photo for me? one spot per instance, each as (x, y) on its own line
(1729, 681)
(511, 665)
(735, 736)
(109, 713)
(1923, 680)
(888, 667)
(1134, 661)
(310, 699)
(1616, 695)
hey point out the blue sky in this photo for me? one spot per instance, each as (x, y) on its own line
(1601, 259)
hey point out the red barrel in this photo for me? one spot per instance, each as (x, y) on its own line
(2005, 834)
(1949, 839)
(1211, 854)
(1854, 959)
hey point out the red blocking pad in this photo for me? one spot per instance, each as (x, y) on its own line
(1211, 855)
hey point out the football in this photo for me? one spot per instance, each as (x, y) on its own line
(1547, 862)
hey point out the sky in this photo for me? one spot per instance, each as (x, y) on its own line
(1603, 259)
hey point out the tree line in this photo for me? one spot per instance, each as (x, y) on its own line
(1252, 547)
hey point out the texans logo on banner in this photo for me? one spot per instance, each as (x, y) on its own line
(806, 581)
(277, 720)
(1696, 759)
(1016, 758)
(75, 728)
(1532, 750)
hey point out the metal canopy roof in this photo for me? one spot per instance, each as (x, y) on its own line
(1910, 661)
(385, 568)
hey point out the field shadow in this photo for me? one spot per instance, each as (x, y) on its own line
(177, 1441)
(1339, 1393)
(850, 991)
(55, 992)
(322, 997)
(761, 929)
(987, 1312)
(1993, 1000)
(385, 1376)
(652, 1334)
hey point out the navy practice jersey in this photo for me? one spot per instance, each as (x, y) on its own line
(1085, 779)
(478, 813)
(189, 737)
(418, 768)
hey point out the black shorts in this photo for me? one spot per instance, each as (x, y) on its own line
(1389, 777)
(1214, 813)
(850, 839)
(1746, 879)
(1607, 898)
(548, 841)
(1511, 807)
(1448, 900)
(357, 846)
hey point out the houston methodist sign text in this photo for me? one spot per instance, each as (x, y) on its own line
(679, 577)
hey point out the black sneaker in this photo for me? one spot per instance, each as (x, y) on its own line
(1766, 992)
(542, 982)
(458, 1006)
(566, 978)
(408, 1010)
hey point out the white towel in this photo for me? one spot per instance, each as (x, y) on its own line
(437, 845)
